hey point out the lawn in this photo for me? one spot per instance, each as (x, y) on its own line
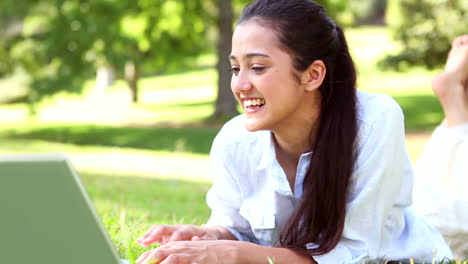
(148, 163)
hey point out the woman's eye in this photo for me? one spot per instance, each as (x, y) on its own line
(258, 69)
(235, 70)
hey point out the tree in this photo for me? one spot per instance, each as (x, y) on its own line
(162, 35)
(225, 105)
(63, 42)
(425, 28)
(367, 11)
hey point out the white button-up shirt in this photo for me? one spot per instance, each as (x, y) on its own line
(251, 196)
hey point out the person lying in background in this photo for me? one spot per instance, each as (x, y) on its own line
(441, 173)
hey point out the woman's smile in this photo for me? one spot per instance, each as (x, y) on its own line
(253, 105)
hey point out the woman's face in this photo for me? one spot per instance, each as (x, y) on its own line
(262, 78)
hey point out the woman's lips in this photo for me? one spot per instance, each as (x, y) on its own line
(253, 105)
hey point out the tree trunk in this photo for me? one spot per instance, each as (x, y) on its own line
(226, 105)
(132, 76)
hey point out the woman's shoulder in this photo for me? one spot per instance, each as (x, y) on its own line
(380, 119)
(377, 106)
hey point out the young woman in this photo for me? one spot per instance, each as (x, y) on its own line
(442, 170)
(313, 172)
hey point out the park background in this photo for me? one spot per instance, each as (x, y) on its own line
(135, 91)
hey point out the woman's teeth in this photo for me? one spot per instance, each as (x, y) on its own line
(254, 103)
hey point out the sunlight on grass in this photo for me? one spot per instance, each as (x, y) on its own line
(13, 86)
(415, 143)
(367, 45)
(17, 113)
(195, 79)
(119, 161)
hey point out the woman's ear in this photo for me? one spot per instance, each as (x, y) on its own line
(314, 75)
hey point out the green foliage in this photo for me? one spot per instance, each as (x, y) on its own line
(367, 11)
(348, 13)
(425, 28)
(334, 7)
(61, 43)
(343, 11)
(57, 43)
(163, 36)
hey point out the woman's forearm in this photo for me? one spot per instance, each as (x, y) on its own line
(250, 253)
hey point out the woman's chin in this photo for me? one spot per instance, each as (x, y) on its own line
(254, 125)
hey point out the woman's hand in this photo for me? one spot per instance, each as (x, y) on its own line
(222, 252)
(203, 252)
(163, 234)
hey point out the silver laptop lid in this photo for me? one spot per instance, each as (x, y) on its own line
(46, 215)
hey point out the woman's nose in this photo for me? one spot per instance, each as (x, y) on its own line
(240, 83)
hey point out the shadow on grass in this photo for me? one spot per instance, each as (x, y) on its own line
(186, 139)
(422, 112)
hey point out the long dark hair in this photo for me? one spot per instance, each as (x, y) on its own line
(306, 32)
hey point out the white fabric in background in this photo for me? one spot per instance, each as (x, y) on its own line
(441, 185)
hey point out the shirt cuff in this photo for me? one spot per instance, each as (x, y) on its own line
(237, 234)
(227, 223)
(339, 255)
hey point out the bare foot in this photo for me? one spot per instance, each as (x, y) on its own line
(457, 60)
(451, 86)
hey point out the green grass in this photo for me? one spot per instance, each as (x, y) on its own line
(129, 205)
(148, 163)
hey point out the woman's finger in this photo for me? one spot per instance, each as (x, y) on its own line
(177, 259)
(182, 235)
(196, 238)
(143, 257)
(154, 256)
(146, 233)
(156, 234)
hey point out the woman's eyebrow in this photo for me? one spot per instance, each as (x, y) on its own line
(250, 55)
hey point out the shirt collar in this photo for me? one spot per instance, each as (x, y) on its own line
(268, 151)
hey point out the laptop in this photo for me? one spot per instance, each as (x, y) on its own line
(46, 215)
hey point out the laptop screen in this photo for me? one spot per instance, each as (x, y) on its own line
(46, 215)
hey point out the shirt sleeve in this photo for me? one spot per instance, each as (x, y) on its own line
(225, 196)
(379, 191)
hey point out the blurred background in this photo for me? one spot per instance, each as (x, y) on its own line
(134, 91)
